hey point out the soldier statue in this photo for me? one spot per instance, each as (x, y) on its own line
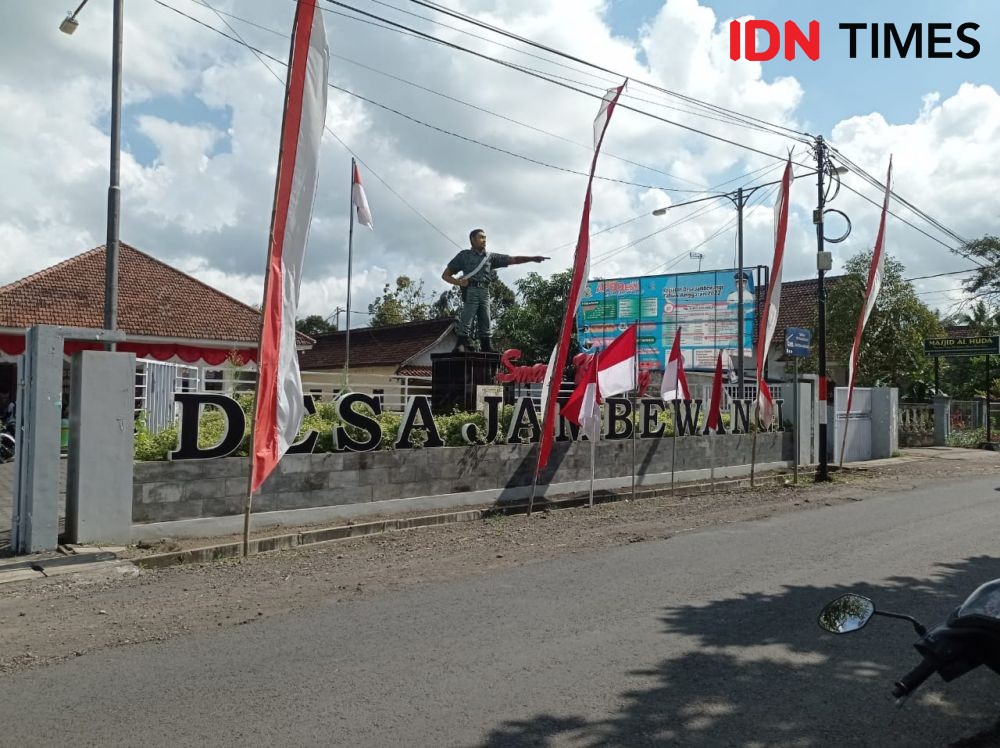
(475, 265)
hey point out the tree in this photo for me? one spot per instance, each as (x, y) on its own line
(532, 320)
(314, 325)
(981, 319)
(985, 283)
(892, 352)
(964, 378)
(406, 302)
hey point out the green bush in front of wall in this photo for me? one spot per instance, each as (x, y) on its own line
(211, 426)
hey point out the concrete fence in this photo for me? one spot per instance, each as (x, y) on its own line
(203, 496)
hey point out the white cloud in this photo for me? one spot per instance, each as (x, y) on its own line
(203, 202)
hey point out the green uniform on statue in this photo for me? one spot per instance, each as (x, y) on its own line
(475, 265)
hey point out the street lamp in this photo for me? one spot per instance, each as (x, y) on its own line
(697, 256)
(68, 26)
(739, 198)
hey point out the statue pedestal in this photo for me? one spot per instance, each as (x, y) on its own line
(455, 377)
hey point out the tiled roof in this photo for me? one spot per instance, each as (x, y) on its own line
(959, 331)
(798, 304)
(374, 346)
(154, 299)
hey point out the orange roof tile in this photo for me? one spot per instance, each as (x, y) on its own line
(154, 300)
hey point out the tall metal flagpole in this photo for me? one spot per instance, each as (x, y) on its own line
(350, 260)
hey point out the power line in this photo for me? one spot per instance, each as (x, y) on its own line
(873, 181)
(561, 84)
(257, 54)
(551, 50)
(416, 120)
(940, 275)
(604, 82)
(456, 100)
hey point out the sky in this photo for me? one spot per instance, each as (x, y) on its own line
(202, 117)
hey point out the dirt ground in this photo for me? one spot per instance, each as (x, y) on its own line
(47, 620)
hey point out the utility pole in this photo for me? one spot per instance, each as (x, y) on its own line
(824, 262)
(114, 188)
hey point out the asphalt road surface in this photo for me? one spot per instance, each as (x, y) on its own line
(704, 639)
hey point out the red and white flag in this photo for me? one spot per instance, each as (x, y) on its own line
(581, 266)
(616, 371)
(584, 406)
(280, 407)
(769, 318)
(675, 385)
(872, 288)
(360, 200)
(714, 419)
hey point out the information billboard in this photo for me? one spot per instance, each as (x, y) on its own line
(703, 304)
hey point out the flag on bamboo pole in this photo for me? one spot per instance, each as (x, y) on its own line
(872, 288)
(583, 406)
(581, 269)
(714, 418)
(616, 371)
(360, 200)
(772, 303)
(280, 410)
(675, 386)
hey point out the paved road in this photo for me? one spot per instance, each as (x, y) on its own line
(704, 639)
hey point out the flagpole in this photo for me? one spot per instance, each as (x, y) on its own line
(711, 457)
(673, 449)
(755, 425)
(798, 435)
(350, 260)
(847, 423)
(248, 504)
(593, 452)
(635, 399)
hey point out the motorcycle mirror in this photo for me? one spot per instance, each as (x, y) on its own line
(846, 614)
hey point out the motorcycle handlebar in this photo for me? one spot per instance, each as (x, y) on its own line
(912, 680)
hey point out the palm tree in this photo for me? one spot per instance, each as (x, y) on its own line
(981, 318)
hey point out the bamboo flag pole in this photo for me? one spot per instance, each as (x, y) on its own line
(847, 423)
(594, 436)
(673, 449)
(248, 504)
(635, 400)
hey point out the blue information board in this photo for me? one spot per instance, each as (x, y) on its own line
(704, 305)
(798, 341)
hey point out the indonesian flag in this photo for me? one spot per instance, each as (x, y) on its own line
(871, 290)
(547, 379)
(616, 364)
(715, 403)
(583, 406)
(360, 201)
(280, 407)
(581, 265)
(675, 385)
(769, 319)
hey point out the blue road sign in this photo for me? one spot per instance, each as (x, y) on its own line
(797, 341)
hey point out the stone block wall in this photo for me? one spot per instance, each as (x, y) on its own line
(166, 491)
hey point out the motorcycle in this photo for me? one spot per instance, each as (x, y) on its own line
(970, 636)
(7, 442)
